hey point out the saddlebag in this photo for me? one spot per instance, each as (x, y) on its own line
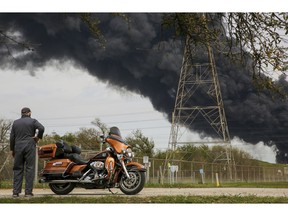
(47, 151)
(57, 167)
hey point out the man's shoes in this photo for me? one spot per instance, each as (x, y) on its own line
(29, 195)
(15, 195)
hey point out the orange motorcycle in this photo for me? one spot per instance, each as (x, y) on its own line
(65, 169)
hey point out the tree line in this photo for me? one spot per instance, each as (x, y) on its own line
(88, 139)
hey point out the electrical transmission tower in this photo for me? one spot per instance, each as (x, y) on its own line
(199, 106)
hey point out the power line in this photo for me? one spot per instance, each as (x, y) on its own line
(119, 122)
(94, 116)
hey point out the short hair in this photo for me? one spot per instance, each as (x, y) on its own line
(25, 110)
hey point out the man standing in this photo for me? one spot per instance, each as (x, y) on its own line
(25, 133)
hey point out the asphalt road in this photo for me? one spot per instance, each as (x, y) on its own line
(275, 192)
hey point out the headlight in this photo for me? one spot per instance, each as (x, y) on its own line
(128, 153)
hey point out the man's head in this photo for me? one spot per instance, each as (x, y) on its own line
(26, 111)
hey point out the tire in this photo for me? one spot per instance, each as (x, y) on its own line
(62, 189)
(133, 185)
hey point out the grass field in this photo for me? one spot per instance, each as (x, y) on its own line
(146, 200)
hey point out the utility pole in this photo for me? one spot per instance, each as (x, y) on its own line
(198, 105)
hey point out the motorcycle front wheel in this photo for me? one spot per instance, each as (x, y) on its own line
(133, 185)
(63, 188)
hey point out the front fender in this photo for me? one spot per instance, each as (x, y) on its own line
(130, 166)
(135, 166)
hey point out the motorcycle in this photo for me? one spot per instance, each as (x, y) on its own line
(65, 169)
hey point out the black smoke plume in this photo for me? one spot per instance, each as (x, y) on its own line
(143, 59)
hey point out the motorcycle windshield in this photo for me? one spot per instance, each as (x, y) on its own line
(117, 143)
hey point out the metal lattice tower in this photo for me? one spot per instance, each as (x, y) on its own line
(199, 105)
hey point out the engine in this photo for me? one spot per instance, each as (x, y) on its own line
(99, 169)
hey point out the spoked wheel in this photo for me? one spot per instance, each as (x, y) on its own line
(62, 188)
(133, 185)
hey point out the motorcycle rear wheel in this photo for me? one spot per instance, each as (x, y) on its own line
(62, 189)
(133, 185)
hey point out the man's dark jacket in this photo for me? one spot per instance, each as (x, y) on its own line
(23, 131)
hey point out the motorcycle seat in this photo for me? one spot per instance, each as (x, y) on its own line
(76, 158)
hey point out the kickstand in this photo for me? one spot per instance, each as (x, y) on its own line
(111, 191)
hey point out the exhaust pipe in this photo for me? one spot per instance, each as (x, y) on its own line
(64, 181)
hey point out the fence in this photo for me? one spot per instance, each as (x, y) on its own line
(200, 172)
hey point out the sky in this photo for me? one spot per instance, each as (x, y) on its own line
(65, 101)
(144, 6)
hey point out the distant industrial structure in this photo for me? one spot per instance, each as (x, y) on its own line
(199, 80)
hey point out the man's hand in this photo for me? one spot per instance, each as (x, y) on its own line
(36, 139)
